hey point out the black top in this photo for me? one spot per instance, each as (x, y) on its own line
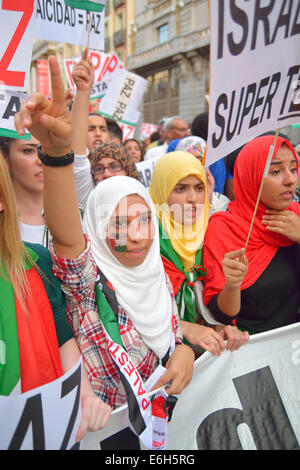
(273, 300)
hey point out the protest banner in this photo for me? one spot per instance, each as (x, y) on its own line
(123, 97)
(145, 170)
(56, 21)
(127, 129)
(43, 79)
(46, 418)
(248, 399)
(10, 104)
(88, 5)
(105, 66)
(17, 22)
(254, 72)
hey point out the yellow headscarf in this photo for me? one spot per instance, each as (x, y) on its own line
(169, 170)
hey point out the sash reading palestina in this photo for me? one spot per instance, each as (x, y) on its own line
(250, 92)
(148, 420)
(88, 5)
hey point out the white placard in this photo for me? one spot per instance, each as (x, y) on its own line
(17, 23)
(10, 103)
(56, 21)
(46, 418)
(254, 71)
(123, 97)
(248, 399)
(146, 169)
(105, 66)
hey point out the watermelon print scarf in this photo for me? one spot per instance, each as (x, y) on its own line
(182, 281)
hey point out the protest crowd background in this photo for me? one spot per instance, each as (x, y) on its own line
(150, 224)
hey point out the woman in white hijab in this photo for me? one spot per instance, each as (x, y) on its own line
(119, 302)
(122, 258)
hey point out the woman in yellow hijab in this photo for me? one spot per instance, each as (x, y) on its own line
(179, 191)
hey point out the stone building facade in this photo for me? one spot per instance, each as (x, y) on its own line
(172, 40)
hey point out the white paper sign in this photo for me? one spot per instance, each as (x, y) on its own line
(254, 71)
(146, 169)
(10, 103)
(105, 66)
(46, 418)
(123, 97)
(58, 22)
(17, 22)
(248, 399)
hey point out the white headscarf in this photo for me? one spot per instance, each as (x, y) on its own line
(142, 291)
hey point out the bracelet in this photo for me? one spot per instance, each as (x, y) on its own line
(55, 161)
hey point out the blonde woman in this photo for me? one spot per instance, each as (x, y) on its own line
(35, 349)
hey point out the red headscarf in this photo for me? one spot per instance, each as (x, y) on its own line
(228, 231)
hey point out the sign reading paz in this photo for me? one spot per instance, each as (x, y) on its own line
(56, 21)
(17, 21)
(46, 418)
(255, 71)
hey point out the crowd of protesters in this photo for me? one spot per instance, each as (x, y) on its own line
(174, 274)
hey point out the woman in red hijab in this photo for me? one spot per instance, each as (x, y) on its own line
(260, 291)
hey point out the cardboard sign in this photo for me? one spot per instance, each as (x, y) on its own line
(56, 21)
(254, 71)
(17, 22)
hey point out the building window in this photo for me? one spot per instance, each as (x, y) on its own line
(163, 33)
(119, 21)
(162, 95)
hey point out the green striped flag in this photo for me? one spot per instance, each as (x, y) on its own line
(88, 5)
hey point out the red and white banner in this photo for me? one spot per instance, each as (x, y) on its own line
(147, 130)
(105, 66)
(43, 81)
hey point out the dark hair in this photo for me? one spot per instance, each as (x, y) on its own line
(200, 125)
(155, 136)
(117, 152)
(139, 144)
(5, 143)
(114, 129)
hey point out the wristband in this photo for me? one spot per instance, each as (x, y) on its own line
(55, 161)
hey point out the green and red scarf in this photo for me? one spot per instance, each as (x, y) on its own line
(182, 281)
(28, 343)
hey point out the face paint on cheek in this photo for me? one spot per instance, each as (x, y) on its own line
(117, 243)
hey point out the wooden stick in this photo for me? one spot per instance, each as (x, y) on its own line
(267, 167)
(89, 31)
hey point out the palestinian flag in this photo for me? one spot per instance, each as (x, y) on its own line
(88, 5)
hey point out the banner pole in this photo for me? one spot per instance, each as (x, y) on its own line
(89, 31)
(266, 171)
